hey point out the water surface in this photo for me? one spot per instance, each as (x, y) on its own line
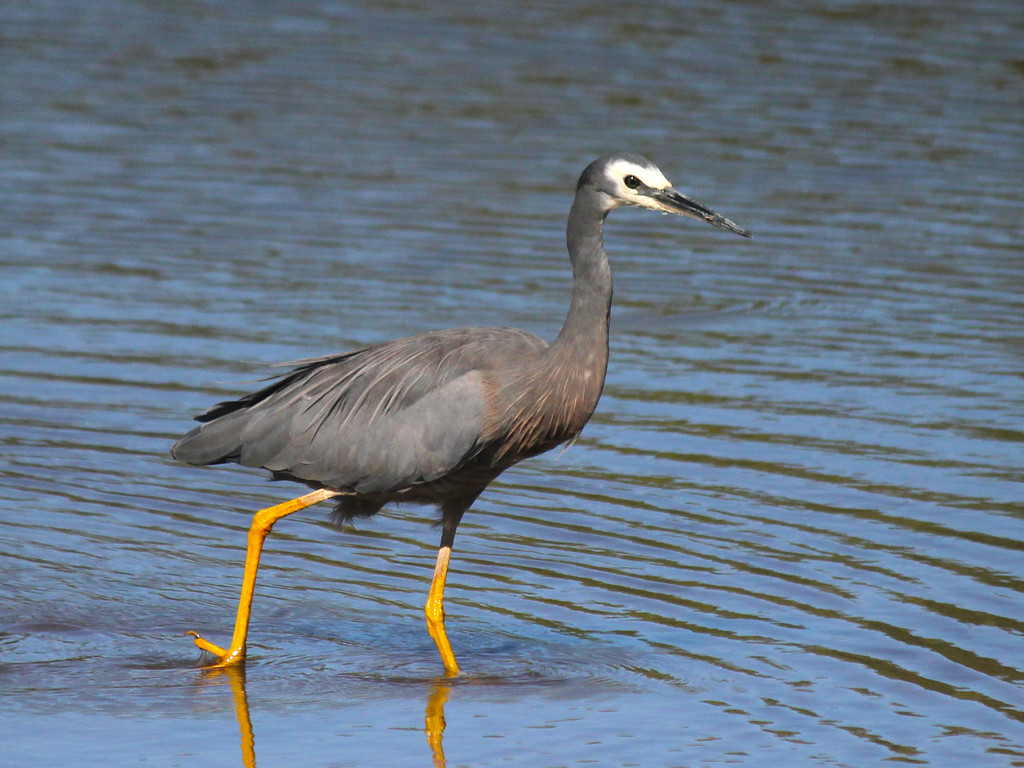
(793, 531)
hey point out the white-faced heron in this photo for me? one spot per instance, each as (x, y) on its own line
(433, 419)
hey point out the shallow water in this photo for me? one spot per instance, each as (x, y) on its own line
(791, 534)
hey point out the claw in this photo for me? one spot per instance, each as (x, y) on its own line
(206, 645)
(225, 658)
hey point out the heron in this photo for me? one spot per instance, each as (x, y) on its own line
(433, 419)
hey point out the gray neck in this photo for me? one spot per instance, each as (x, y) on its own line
(586, 325)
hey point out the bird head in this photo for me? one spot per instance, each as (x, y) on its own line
(626, 178)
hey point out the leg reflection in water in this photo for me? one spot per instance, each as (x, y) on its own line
(434, 720)
(235, 676)
(434, 725)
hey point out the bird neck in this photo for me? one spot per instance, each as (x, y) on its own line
(552, 396)
(586, 325)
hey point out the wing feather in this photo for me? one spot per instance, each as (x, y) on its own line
(379, 420)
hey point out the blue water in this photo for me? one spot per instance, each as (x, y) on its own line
(792, 533)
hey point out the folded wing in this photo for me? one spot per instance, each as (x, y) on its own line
(376, 421)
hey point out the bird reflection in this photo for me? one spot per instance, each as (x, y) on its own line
(236, 677)
(433, 721)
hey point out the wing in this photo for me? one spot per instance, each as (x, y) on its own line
(379, 420)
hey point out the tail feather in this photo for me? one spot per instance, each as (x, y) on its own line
(216, 442)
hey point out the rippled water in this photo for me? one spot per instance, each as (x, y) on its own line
(793, 531)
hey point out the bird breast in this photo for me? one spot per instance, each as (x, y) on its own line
(545, 404)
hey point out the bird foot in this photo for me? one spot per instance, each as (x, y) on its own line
(225, 658)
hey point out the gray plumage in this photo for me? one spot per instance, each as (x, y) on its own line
(434, 418)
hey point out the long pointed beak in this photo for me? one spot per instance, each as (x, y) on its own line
(672, 201)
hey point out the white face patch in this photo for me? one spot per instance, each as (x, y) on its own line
(619, 171)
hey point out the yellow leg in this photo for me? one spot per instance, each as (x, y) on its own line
(435, 611)
(261, 524)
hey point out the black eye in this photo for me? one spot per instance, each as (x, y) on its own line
(631, 181)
